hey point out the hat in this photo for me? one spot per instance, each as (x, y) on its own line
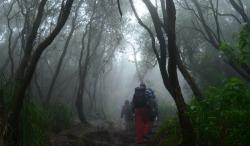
(143, 85)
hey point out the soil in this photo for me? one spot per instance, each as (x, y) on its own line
(86, 135)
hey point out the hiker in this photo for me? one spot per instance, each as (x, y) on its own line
(153, 108)
(141, 110)
(132, 117)
(127, 115)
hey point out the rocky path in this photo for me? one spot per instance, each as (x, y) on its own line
(82, 135)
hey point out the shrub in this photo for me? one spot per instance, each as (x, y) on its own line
(223, 117)
(168, 134)
(239, 52)
(34, 124)
(36, 121)
(60, 117)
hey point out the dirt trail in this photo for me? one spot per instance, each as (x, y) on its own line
(82, 135)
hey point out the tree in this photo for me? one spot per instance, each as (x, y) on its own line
(239, 7)
(28, 65)
(99, 40)
(85, 64)
(169, 73)
(58, 68)
(11, 15)
(215, 36)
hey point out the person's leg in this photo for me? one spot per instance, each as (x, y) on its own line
(148, 127)
(130, 124)
(139, 125)
(146, 121)
(127, 124)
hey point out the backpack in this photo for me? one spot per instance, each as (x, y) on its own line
(139, 99)
(149, 93)
(153, 110)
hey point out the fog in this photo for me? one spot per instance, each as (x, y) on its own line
(115, 71)
(89, 56)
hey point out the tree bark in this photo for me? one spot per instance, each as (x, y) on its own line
(4, 66)
(9, 45)
(30, 42)
(26, 70)
(7, 60)
(2, 116)
(215, 41)
(1, 106)
(196, 91)
(185, 122)
(246, 68)
(241, 72)
(58, 68)
(240, 10)
(38, 87)
(209, 33)
(136, 64)
(169, 75)
(65, 48)
(83, 68)
(191, 82)
(93, 95)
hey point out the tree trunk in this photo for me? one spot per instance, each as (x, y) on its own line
(20, 72)
(188, 134)
(4, 66)
(10, 39)
(93, 95)
(26, 71)
(58, 68)
(79, 105)
(38, 87)
(187, 131)
(2, 112)
(215, 42)
(7, 60)
(190, 80)
(212, 39)
(137, 66)
(170, 78)
(246, 68)
(83, 73)
(56, 74)
(240, 10)
(241, 72)
(83, 68)
(10, 50)
(2, 117)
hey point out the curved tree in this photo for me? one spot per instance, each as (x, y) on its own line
(25, 71)
(169, 71)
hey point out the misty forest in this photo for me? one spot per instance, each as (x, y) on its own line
(125, 72)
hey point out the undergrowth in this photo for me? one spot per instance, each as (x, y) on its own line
(221, 119)
(37, 121)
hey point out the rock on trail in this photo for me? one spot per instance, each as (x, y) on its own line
(95, 135)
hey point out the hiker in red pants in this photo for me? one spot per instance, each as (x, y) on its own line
(142, 122)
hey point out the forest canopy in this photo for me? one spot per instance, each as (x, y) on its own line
(68, 66)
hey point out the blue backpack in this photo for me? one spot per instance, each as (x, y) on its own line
(153, 109)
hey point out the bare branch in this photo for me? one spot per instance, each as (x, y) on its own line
(148, 30)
